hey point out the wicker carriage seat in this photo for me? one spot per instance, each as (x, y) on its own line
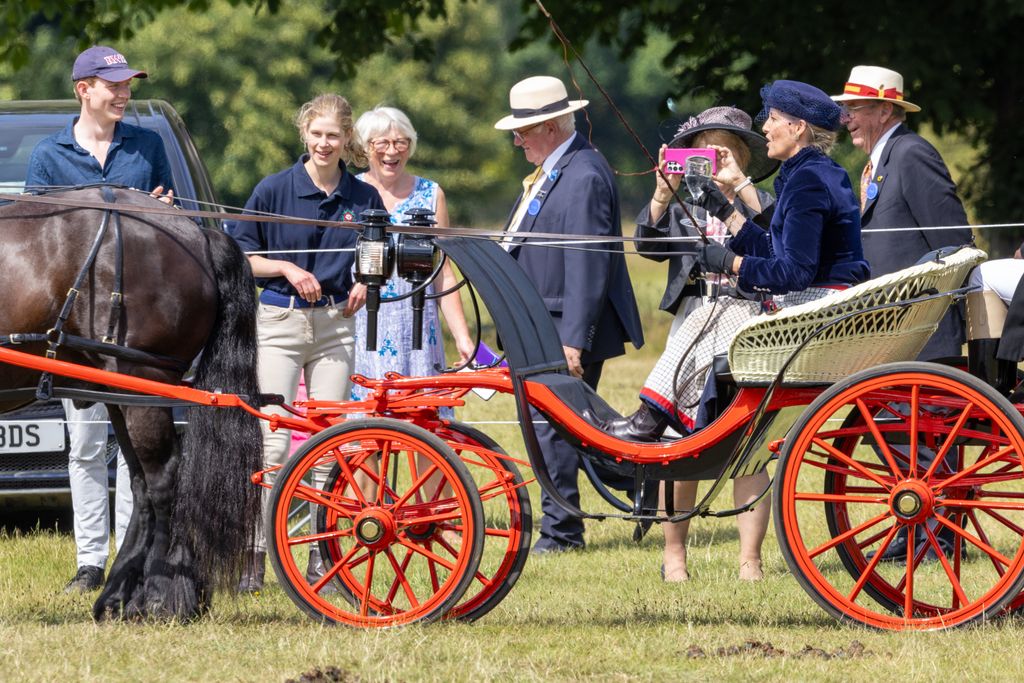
(763, 344)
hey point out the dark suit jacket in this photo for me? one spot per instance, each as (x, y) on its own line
(914, 189)
(587, 292)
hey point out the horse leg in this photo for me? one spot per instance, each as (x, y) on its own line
(157, 578)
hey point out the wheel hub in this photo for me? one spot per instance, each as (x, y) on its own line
(375, 528)
(912, 501)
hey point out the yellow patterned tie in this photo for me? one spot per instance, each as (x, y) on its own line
(524, 201)
(865, 180)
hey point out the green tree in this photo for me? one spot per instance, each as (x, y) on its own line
(959, 59)
(237, 78)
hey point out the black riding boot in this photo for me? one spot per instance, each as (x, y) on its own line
(253, 573)
(646, 424)
(983, 364)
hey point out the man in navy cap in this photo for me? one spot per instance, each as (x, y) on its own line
(98, 147)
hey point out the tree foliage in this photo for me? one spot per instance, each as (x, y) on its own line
(959, 61)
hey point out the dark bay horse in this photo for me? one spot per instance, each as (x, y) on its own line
(186, 291)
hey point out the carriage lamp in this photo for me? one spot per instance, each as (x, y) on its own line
(416, 259)
(375, 258)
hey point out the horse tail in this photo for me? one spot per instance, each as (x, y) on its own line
(218, 507)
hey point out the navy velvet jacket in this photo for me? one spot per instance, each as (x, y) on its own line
(814, 236)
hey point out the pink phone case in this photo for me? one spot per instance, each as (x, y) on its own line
(675, 158)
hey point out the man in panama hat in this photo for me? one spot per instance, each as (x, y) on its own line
(587, 291)
(905, 183)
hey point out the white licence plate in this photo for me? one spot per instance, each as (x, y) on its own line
(21, 436)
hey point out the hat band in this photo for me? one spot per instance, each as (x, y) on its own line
(868, 91)
(546, 109)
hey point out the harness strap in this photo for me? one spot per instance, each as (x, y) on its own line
(73, 341)
(116, 295)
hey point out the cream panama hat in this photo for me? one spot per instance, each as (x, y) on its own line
(875, 83)
(537, 99)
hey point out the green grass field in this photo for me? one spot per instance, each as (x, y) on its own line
(599, 615)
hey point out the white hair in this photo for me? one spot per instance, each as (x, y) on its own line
(566, 122)
(379, 120)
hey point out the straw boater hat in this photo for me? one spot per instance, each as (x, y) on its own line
(875, 83)
(734, 121)
(537, 99)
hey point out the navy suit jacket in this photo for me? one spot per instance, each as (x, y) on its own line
(914, 190)
(587, 291)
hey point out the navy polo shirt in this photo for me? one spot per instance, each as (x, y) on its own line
(136, 158)
(291, 192)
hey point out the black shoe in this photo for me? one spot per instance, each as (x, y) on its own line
(253, 573)
(549, 546)
(644, 425)
(315, 571)
(87, 578)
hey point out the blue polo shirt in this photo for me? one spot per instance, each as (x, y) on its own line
(291, 192)
(136, 158)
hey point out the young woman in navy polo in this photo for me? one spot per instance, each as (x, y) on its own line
(305, 322)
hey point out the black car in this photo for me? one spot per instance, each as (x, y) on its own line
(33, 440)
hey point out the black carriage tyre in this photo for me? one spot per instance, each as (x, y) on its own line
(506, 539)
(394, 482)
(829, 461)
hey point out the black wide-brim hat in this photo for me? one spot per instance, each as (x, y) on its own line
(734, 121)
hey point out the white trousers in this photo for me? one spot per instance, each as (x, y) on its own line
(87, 471)
(317, 341)
(1000, 276)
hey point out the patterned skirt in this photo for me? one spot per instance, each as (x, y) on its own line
(677, 380)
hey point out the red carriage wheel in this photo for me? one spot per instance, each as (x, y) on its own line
(507, 514)
(913, 445)
(371, 494)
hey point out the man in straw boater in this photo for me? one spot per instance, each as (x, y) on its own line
(98, 147)
(904, 184)
(587, 291)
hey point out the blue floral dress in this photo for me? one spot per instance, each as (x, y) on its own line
(394, 320)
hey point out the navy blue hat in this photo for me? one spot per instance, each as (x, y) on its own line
(105, 62)
(802, 101)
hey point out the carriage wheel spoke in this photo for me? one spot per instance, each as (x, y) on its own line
(883, 445)
(839, 498)
(401, 580)
(842, 457)
(964, 534)
(364, 602)
(908, 574)
(872, 563)
(1017, 529)
(333, 571)
(382, 474)
(417, 485)
(315, 496)
(841, 538)
(430, 555)
(322, 536)
(972, 515)
(971, 469)
(915, 415)
(950, 439)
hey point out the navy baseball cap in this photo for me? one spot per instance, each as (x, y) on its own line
(105, 62)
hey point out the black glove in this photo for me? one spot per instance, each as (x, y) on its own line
(713, 201)
(714, 258)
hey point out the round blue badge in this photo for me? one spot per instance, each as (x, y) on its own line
(872, 191)
(554, 174)
(534, 208)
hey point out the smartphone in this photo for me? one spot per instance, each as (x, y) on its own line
(675, 158)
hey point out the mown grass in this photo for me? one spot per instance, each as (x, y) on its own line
(600, 615)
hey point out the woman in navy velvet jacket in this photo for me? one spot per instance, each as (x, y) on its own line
(812, 248)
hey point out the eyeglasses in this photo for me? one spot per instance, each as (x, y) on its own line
(847, 112)
(382, 144)
(520, 135)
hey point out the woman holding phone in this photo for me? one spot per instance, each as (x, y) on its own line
(812, 247)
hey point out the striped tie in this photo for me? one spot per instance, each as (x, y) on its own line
(865, 180)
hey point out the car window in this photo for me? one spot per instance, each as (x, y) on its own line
(17, 140)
